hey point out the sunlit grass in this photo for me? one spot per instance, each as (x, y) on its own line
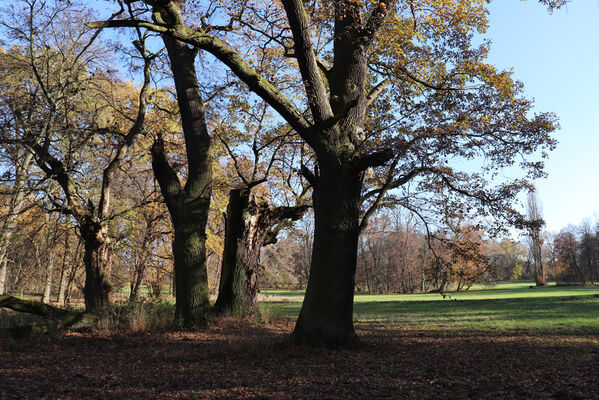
(505, 307)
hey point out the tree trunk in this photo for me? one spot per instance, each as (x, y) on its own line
(250, 225)
(191, 274)
(238, 289)
(72, 272)
(97, 259)
(48, 280)
(64, 267)
(137, 283)
(326, 317)
(62, 284)
(3, 270)
(189, 205)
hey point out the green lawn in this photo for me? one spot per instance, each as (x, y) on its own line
(507, 307)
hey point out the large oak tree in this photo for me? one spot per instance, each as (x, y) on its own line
(443, 102)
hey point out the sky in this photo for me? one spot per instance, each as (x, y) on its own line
(556, 56)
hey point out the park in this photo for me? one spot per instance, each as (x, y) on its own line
(505, 341)
(298, 199)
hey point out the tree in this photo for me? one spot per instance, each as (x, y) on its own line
(188, 204)
(507, 256)
(566, 248)
(64, 76)
(253, 220)
(535, 223)
(443, 102)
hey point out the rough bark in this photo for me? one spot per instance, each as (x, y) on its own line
(97, 261)
(326, 317)
(189, 205)
(249, 227)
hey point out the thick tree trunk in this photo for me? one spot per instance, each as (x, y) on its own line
(246, 229)
(191, 274)
(250, 225)
(97, 261)
(189, 205)
(326, 317)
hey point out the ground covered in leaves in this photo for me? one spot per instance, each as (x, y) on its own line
(252, 362)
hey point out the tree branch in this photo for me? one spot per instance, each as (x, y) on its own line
(165, 175)
(376, 91)
(304, 53)
(234, 61)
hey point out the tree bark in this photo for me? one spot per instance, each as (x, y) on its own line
(64, 267)
(3, 272)
(191, 274)
(189, 205)
(326, 316)
(62, 284)
(48, 280)
(249, 227)
(97, 261)
(237, 291)
(137, 283)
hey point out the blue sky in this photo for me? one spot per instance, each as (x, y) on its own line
(557, 57)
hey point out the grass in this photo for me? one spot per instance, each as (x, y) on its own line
(507, 307)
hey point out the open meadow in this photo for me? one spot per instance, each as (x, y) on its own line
(508, 341)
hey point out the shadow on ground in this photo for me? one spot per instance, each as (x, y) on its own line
(258, 363)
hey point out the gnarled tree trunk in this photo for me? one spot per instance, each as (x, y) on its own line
(249, 227)
(97, 261)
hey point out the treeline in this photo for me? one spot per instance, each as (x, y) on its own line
(173, 149)
(573, 253)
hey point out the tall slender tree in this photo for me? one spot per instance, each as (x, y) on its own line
(535, 224)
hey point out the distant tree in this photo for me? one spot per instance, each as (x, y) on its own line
(568, 265)
(589, 251)
(508, 257)
(534, 225)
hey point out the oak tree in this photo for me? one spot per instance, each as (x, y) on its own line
(443, 102)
